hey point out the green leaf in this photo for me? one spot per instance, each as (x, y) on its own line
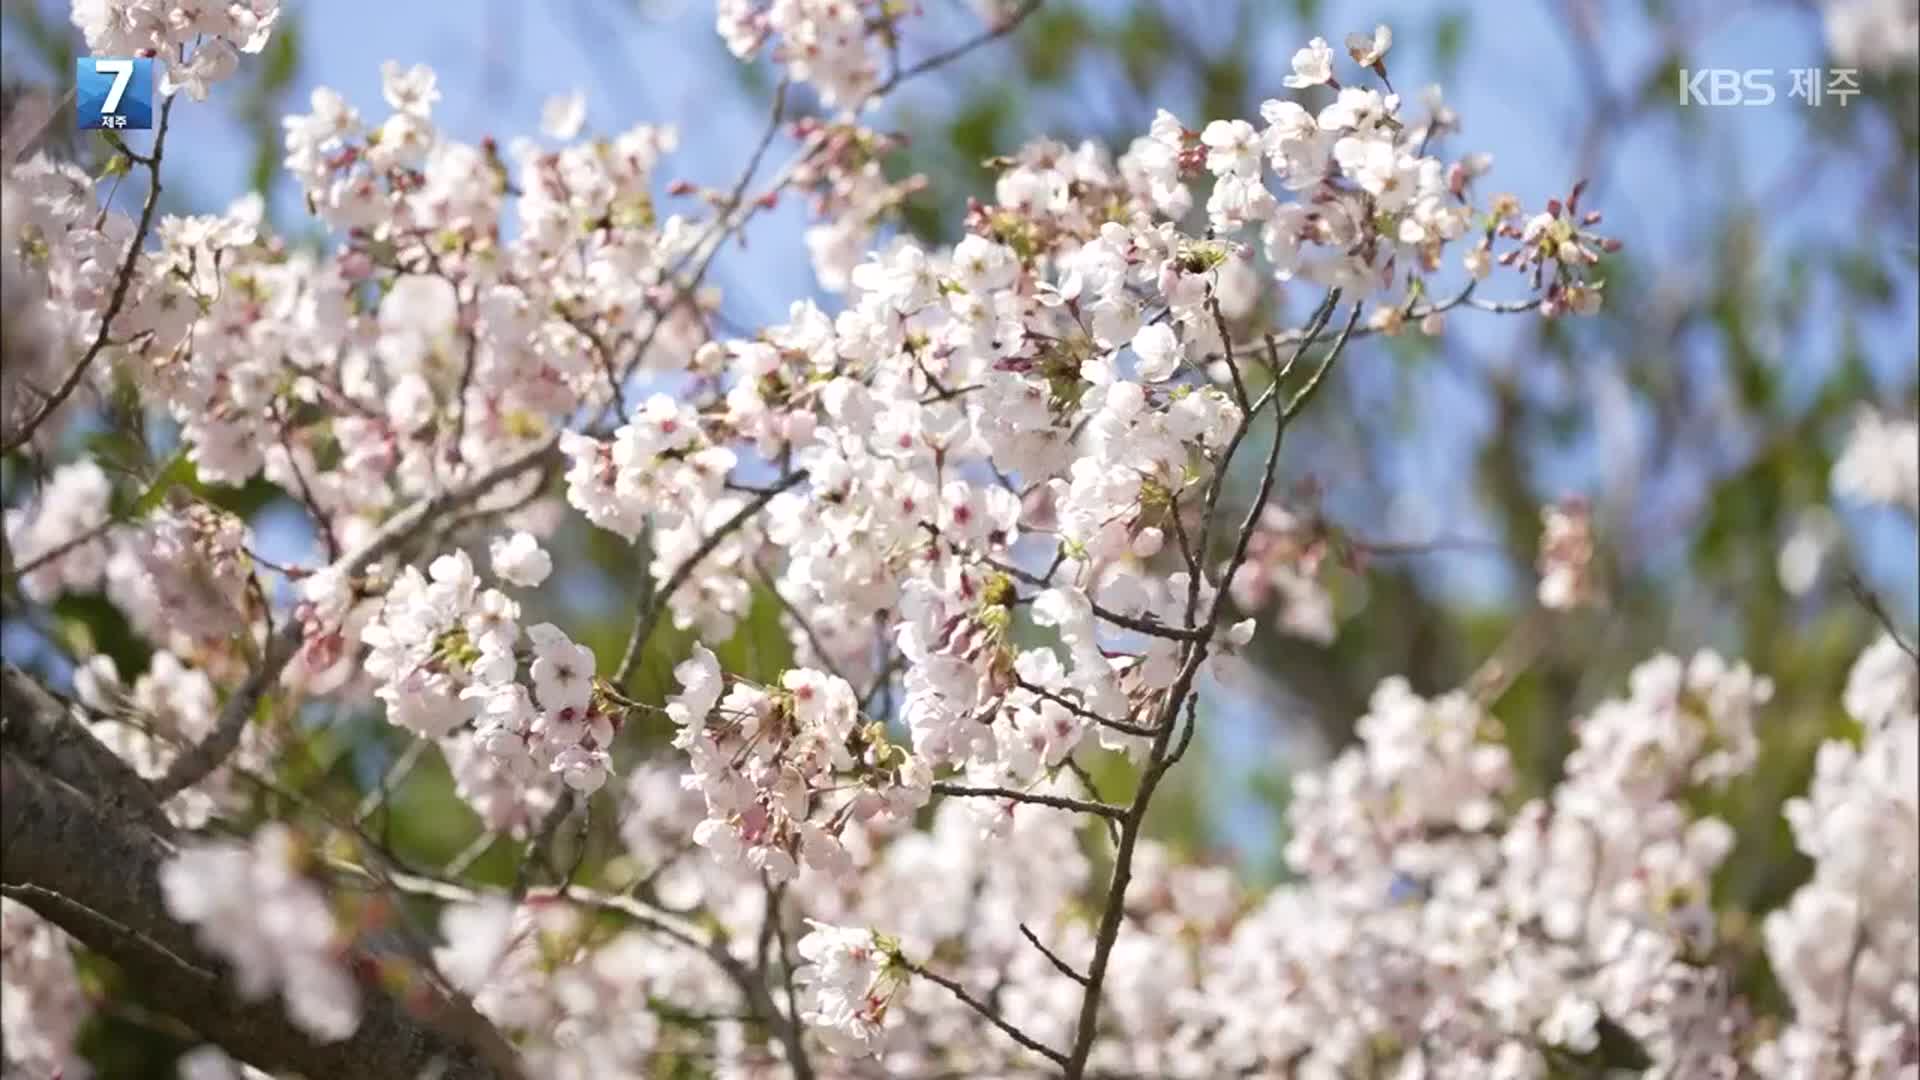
(1619, 1049)
(759, 649)
(282, 57)
(177, 471)
(88, 623)
(1449, 40)
(1051, 43)
(977, 130)
(1141, 43)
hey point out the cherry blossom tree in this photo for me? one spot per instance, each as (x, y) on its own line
(1015, 503)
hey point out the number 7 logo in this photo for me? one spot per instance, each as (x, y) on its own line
(122, 72)
(114, 92)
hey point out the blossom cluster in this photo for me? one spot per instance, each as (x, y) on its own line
(198, 44)
(1878, 35)
(446, 655)
(589, 1001)
(835, 45)
(851, 977)
(1438, 922)
(1880, 463)
(169, 708)
(1843, 946)
(42, 1005)
(765, 761)
(1566, 557)
(252, 906)
(1281, 571)
(180, 573)
(73, 508)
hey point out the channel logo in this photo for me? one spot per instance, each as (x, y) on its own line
(114, 93)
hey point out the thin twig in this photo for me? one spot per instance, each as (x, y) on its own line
(472, 853)
(800, 619)
(1059, 965)
(466, 383)
(655, 601)
(792, 1036)
(988, 1012)
(1226, 344)
(1081, 711)
(1305, 394)
(321, 520)
(65, 547)
(1869, 600)
(1463, 298)
(1058, 802)
(1217, 486)
(946, 56)
(1126, 622)
(541, 841)
(723, 226)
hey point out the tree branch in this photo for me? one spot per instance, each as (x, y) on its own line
(1058, 802)
(946, 56)
(654, 602)
(988, 1012)
(1081, 711)
(89, 869)
(1053, 958)
(35, 725)
(1125, 622)
(1869, 600)
(62, 549)
(1158, 760)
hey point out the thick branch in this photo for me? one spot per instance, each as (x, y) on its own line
(96, 874)
(34, 724)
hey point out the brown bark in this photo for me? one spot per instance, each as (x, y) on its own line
(81, 844)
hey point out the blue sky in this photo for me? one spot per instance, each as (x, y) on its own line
(1519, 89)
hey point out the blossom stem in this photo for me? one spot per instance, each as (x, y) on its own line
(988, 1012)
(1058, 802)
(654, 601)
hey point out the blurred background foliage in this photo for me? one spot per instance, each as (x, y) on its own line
(1766, 290)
